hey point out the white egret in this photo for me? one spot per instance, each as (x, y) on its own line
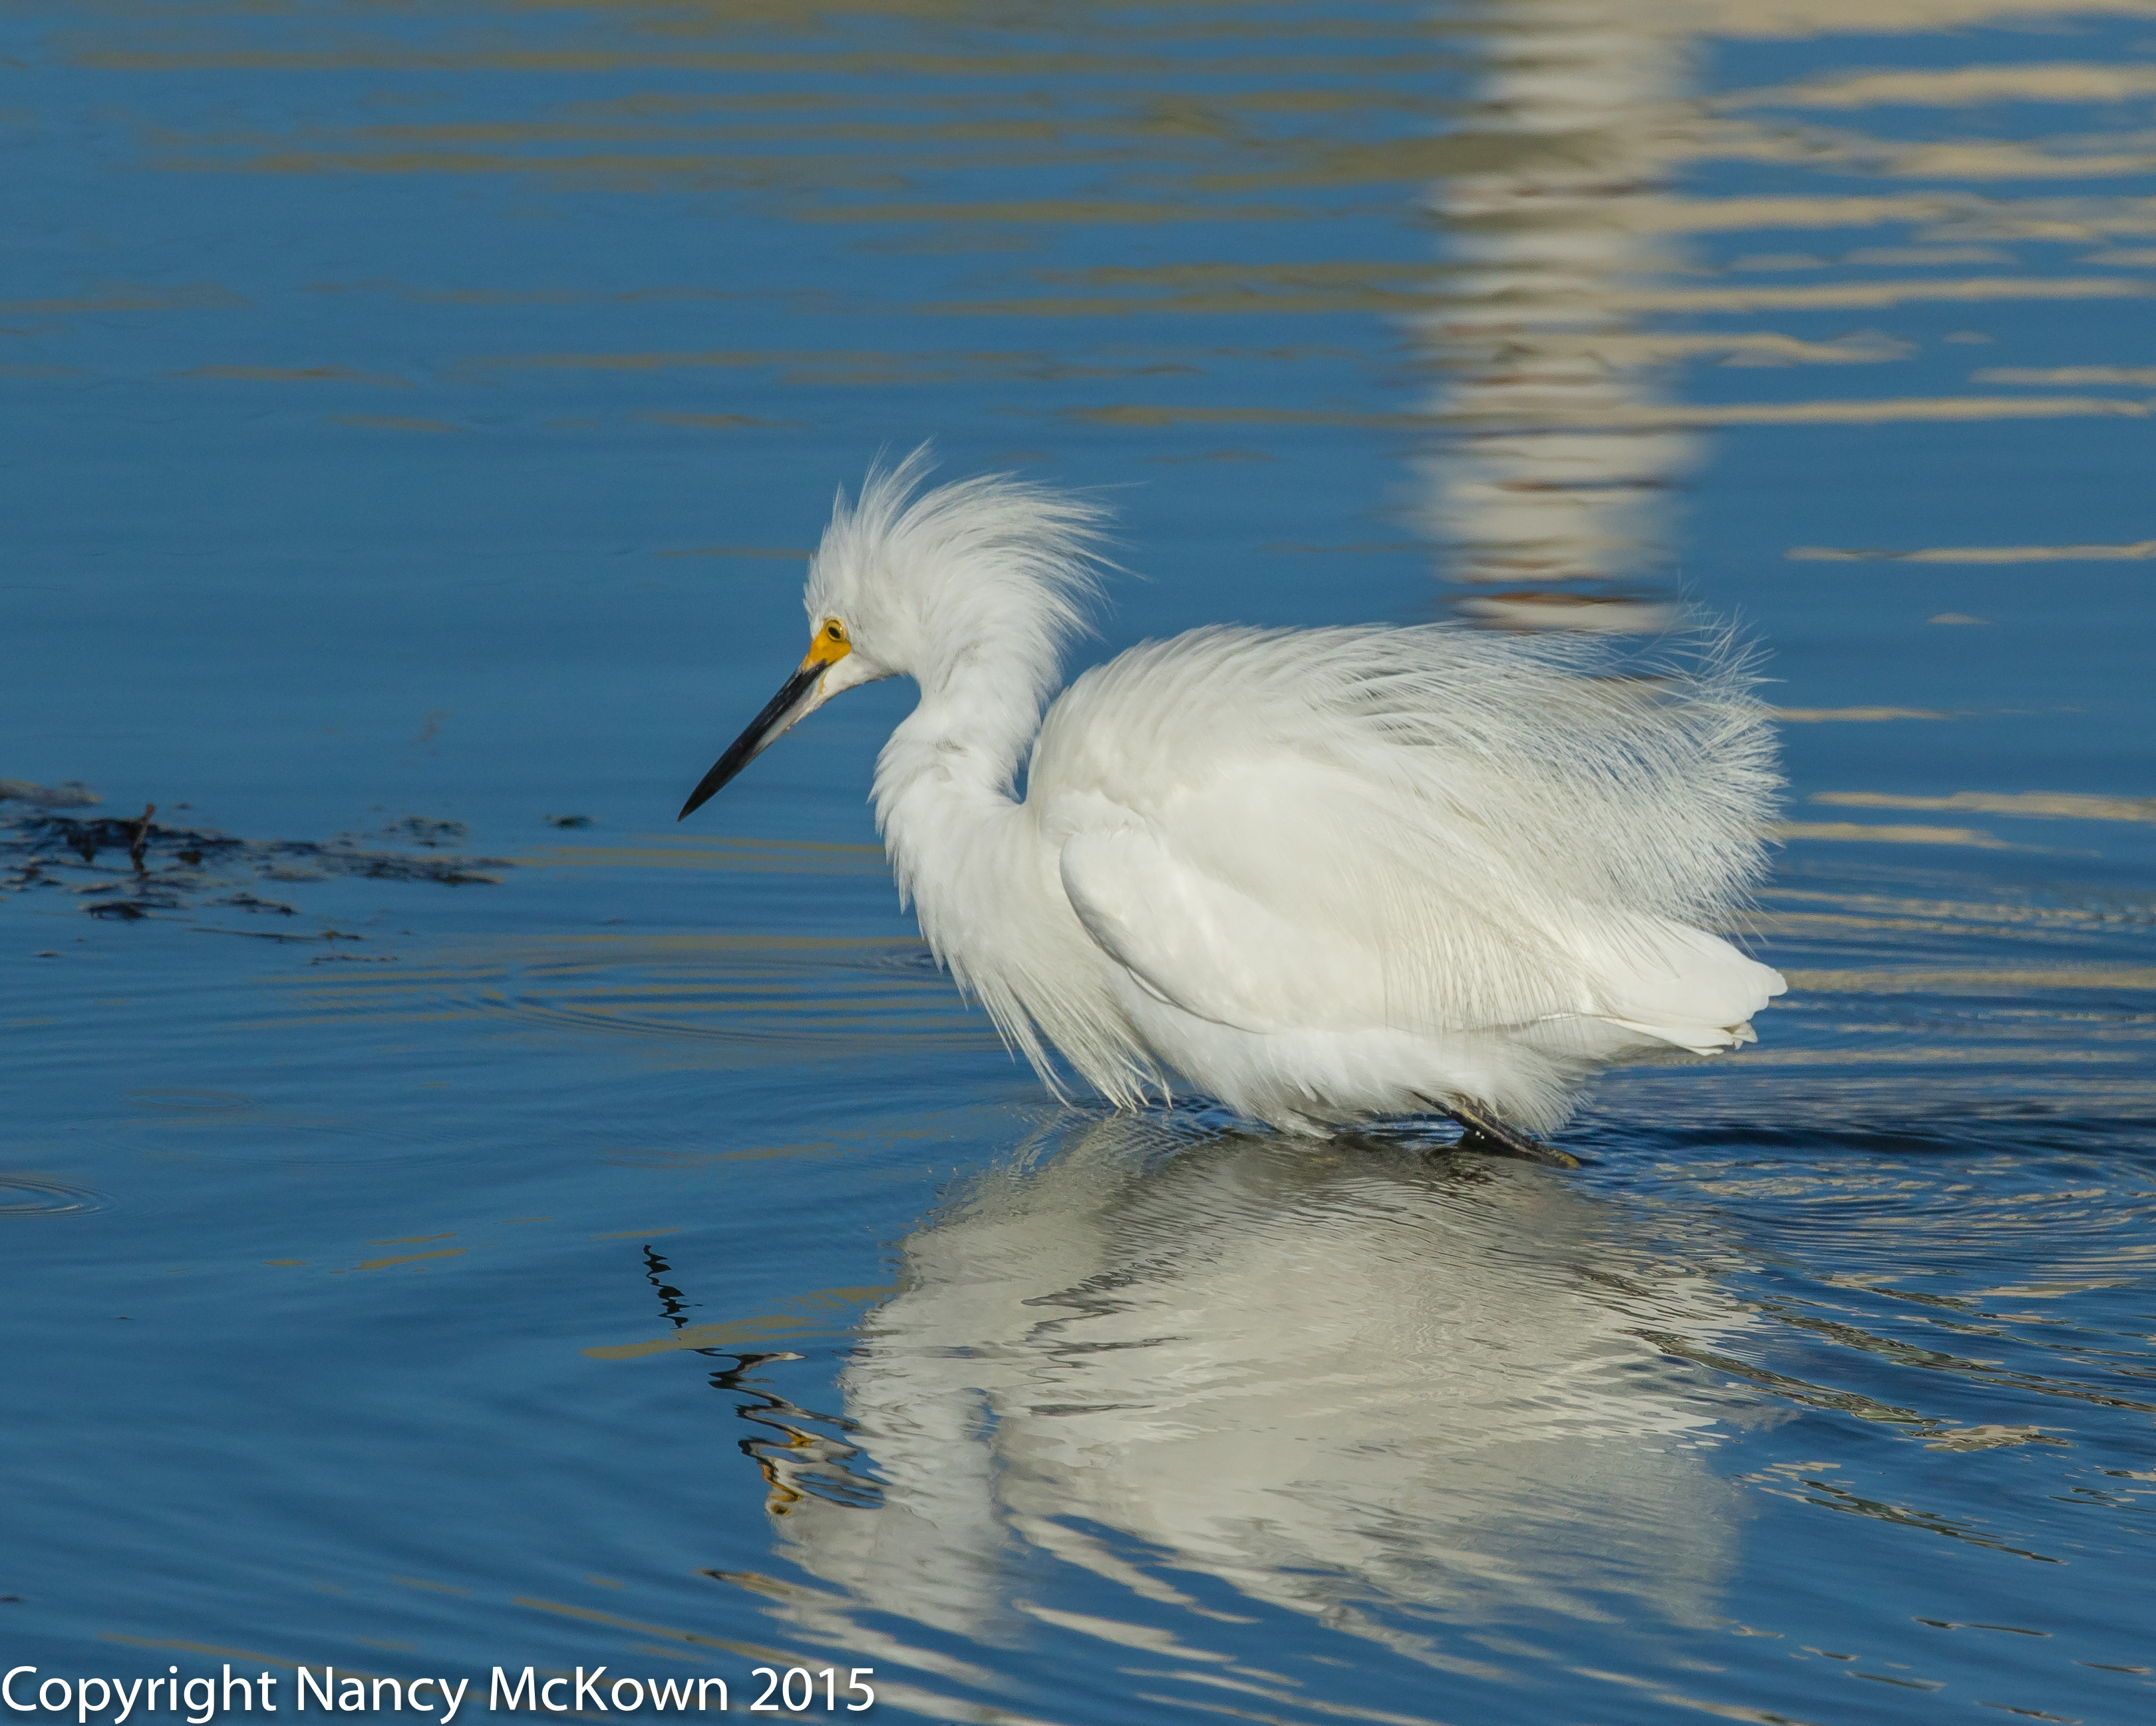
(1323, 876)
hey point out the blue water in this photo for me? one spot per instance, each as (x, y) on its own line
(460, 1219)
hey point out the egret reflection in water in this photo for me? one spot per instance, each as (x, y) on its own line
(1339, 1380)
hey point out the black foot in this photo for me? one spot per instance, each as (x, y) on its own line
(1493, 1138)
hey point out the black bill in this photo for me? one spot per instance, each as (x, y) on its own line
(782, 709)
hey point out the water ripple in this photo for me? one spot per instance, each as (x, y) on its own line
(22, 1194)
(798, 995)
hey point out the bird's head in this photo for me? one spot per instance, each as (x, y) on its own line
(987, 577)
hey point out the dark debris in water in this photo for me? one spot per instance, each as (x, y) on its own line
(125, 870)
(420, 830)
(248, 902)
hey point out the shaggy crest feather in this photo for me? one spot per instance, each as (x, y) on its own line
(1320, 874)
(929, 577)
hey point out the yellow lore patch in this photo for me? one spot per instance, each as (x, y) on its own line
(830, 645)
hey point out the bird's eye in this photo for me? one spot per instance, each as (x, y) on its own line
(835, 630)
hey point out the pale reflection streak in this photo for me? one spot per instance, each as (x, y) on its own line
(1960, 87)
(1642, 415)
(1563, 255)
(1974, 979)
(1574, 487)
(1966, 920)
(1871, 296)
(1338, 1381)
(1893, 834)
(2139, 551)
(1758, 19)
(1858, 716)
(2046, 805)
(2143, 375)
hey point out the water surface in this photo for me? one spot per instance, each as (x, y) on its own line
(454, 1218)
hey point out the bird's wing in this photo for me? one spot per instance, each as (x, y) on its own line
(1268, 901)
(1270, 848)
(1270, 926)
(1218, 948)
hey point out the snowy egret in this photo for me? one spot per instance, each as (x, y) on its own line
(1323, 876)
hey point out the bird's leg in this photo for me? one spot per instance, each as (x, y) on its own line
(1481, 1132)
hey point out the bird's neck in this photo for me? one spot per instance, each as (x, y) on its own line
(945, 784)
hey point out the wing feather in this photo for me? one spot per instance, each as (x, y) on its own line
(1428, 829)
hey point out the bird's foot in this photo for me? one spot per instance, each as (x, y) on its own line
(1478, 1132)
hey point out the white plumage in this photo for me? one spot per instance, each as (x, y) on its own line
(1320, 874)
